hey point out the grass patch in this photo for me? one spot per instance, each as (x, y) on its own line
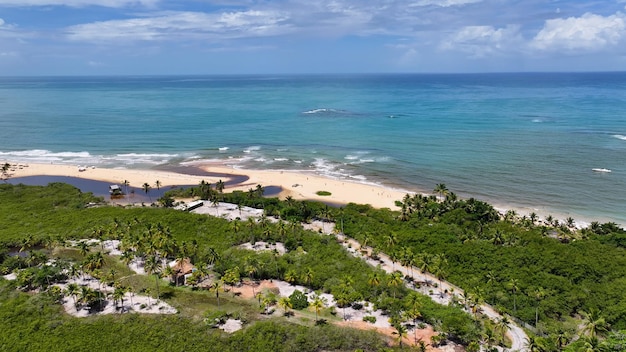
(323, 193)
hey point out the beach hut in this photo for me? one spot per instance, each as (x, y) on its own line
(181, 268)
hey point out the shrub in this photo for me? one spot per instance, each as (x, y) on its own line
(323, 193)
(369, 319)
(298, 300)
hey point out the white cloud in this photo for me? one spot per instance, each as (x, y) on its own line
(444, 3)
(481, 41)
(183, 25)
(78, 3)
(589, 32)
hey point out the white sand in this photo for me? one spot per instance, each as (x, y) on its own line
(262, 246)
(298, 185)
(230, 211)
(151, 305)
(231, 325)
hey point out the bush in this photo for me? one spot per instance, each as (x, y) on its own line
(298, 300)
(323, 193)
(369, 319)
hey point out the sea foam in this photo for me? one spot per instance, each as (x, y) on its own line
(620, 136)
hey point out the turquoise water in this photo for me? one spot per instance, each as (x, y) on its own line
(522, 140)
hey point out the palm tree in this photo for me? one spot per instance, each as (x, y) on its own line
(307, 277)
(400, 332)
(215, 203)
(5, 169)
(441, 189)
(83, 248)
(533, 345)
(157, 184)
(503, 325)
(513, 286)
(594, 323)
(374, 281)
(126, 184)
(216, 286)
(118, 295)
(291, 276)
(491, 279)
(73, 290)
(317, 304)
(413, 305)
(395, 281)
(146, 188)
(219, 186)
(285, 304)
(153, 267)
(539, 294)
(391, 240)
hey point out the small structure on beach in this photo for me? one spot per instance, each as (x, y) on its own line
(190, 206)
(115, 191)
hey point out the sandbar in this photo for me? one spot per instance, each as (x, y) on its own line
(298, 185)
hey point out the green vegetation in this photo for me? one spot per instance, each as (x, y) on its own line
(549, 275)
(323, 193)
(41, 219)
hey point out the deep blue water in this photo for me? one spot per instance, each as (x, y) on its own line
(527, 140)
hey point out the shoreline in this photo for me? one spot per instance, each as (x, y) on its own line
(300, 185)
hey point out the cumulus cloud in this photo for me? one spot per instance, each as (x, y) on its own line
(481, 41)
(78, 3)
(183, 25)
(590, 32)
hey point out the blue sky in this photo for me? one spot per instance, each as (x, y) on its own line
(104, 37)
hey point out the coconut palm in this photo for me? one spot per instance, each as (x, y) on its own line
(594, 323)
(126, 184)
(413, 306)
(400, 333)
(73, 290)
(395, 281)
(146, 188)
(441, 189)
(118, 295)
(538, 294)
(317, 304)
(513, 286)
(374, 281)
(307, 277)
(285, 304)
(217, 286)
(533, 345)
(391, 240)
(291, 276)
(219, 186)
(5, 169)
(503, 325)
(153, 267)
(83, 248)
(157, 184)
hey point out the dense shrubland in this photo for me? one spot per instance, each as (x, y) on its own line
(545, 273)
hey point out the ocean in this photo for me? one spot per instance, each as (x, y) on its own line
(527, 141)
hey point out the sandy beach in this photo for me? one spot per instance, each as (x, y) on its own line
(295, 184)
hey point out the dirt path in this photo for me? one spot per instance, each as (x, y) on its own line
(517, 336)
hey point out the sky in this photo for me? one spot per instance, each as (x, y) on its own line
(152, 37)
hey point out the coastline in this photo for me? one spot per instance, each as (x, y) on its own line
(300, 185)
